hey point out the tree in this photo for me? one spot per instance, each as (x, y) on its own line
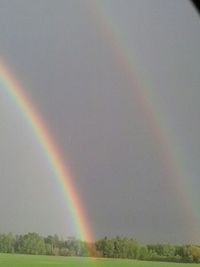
(6, 243)
(192, 254)
(143, 252)
(32, 243)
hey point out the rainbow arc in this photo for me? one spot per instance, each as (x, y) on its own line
(62, 174)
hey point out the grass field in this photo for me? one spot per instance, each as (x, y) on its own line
(13, 260)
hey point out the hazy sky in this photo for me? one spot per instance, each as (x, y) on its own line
(71, 57)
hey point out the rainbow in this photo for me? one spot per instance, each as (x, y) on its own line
(158, 122)
(62, 174)
(140, 89)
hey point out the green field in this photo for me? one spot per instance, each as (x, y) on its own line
(13, 260)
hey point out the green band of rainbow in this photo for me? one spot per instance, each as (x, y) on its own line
(62, 174)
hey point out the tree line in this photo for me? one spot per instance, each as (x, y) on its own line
(129, 248)
(35, 244)
(117, 247)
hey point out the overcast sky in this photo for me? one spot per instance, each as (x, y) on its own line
(72, 68)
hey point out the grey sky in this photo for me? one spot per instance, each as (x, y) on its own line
(73, 77)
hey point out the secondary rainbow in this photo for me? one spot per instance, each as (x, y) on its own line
(141, 89)
(11, 86)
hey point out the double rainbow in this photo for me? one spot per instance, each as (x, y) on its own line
(110, 32)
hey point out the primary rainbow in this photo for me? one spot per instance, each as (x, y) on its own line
(62, 174)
